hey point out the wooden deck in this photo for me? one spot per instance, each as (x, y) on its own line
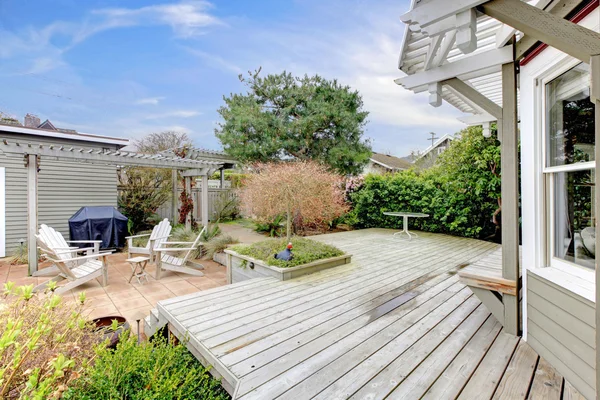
(395, 323)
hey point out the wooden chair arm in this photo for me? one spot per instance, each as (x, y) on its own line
(84, 241)
(174, 249)
(137, 236)
(84, 257)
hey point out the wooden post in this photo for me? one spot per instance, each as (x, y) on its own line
(222, 177)
(510, 195)
(188, 190)
(204, 202)
(32, 211)
(595, 97)
(175, 200)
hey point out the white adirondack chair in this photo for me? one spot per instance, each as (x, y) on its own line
(160, 233)
(93, 266)
(169, 262)
(55, 241)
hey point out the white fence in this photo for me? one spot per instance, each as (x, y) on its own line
(216, 198)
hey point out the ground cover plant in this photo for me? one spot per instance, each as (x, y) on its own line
(304, 250)
(45, 343)
(149, 370)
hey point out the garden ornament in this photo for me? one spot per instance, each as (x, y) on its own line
(286, 254)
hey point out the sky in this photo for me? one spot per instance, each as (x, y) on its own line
(129, 68)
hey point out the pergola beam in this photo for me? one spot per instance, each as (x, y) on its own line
(95, 156)
(561, 9)
(566, 36)
(475, 97)
(477, 64)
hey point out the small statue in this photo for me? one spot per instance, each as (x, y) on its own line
(285, 255)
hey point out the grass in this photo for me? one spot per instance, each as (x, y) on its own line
(305, 251)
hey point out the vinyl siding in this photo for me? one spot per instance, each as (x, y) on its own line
(561, 328)
(62, 189)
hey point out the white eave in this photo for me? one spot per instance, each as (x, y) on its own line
(82, 137)
(424, 51)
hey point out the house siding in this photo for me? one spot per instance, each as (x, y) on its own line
(63, 188)
(561, 328)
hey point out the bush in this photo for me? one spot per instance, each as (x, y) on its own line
(304, 250)
(44, 343)
(217, 245)
(142, 191)
(460, 193)
(273, 227)
(304, 191)
(150, 370)
(227, 207)
(181, 234)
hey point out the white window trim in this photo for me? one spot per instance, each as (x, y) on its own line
(572, 277)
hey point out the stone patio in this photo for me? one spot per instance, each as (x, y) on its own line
(131, 300)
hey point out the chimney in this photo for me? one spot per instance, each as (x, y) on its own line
(32, 121)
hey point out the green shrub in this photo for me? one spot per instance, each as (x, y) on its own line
(218, 244)
(19, 255)
(227, 207)
(44, 343)
(150, 370)
(460, 193)
(274, 227)
(305, 251)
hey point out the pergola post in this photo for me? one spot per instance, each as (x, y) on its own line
(510, 194)
(222, 178)
(32, 211)
(204, 200)
(175, 199)
(188, 190)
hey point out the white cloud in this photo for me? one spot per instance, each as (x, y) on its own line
(214, 60)
(187, 18)
(150, 100)
(173, 114)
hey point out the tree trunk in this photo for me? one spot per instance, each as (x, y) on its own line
(289, 225)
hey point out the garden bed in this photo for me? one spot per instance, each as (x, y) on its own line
(257, 260)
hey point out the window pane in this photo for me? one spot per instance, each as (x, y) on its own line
(569, 118)
(574, 233)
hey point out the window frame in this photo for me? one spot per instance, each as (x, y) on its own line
(548, 174)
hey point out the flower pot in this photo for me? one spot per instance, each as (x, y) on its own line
(105, 324)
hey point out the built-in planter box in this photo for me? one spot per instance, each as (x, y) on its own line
(241, 268)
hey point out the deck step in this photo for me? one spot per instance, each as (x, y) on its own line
(153, 322)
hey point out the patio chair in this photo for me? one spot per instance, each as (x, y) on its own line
(159, 234)
(93, 266)
(55, 241)
(168, 260)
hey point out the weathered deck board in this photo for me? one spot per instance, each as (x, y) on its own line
(395, 323)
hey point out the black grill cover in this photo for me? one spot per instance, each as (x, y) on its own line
(99, 223)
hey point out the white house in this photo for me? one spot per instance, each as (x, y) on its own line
(474, 54)
(430, 154)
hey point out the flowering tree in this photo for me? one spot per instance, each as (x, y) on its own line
(303, 188)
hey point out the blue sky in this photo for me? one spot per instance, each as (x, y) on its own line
(128, 68)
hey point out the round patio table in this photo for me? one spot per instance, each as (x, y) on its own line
(405, 216)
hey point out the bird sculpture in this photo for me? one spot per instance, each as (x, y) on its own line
(285, 255)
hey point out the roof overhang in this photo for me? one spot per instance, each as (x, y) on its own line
(454, 49)
(83, 137)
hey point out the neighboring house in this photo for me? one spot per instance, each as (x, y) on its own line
(468, 54)
(380, 163)
(429, 155)
(63, 187)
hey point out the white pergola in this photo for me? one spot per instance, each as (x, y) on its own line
(467, 53)
(34, 154)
